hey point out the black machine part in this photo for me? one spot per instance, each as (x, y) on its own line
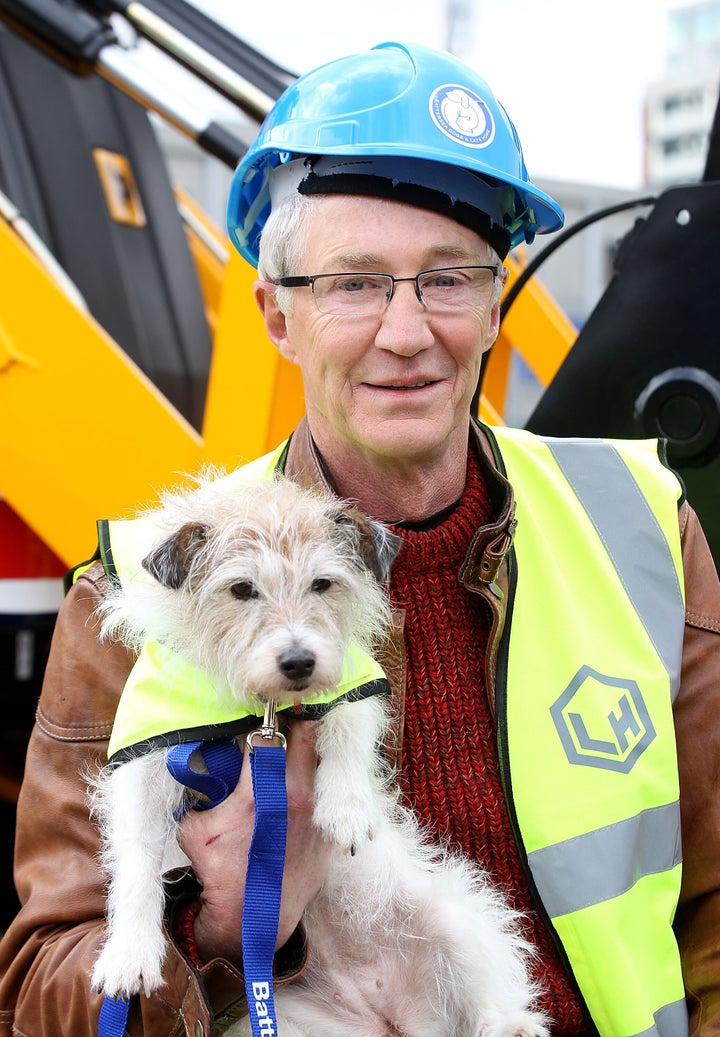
(682, 405)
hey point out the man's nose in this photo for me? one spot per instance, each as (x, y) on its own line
(405, 326)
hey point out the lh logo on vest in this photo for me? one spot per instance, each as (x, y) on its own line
(602, 721)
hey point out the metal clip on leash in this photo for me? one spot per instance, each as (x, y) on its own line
(268, 729)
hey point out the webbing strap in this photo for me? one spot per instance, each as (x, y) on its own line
(263, 885)
(223, 760)
(113, 1017)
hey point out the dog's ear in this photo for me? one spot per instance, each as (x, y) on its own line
(170, 561)
(376, 547)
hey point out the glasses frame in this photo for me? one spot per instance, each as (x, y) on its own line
(308, 281)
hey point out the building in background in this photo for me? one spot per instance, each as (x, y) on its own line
(680, 107)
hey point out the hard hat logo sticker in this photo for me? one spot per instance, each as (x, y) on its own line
(462, 115)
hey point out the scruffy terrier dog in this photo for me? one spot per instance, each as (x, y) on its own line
(264, 588)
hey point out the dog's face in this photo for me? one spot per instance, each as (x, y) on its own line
(265, 589)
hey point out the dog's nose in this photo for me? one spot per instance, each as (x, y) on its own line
(296, 666)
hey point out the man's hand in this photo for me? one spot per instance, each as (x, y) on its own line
(217, 842)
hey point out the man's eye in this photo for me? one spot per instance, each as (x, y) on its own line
(444, 281)
(354, 284)
(244, 590)
(321, 585)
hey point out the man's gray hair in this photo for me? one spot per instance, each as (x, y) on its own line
(282, 242)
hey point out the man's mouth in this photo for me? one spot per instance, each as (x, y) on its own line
(404, 387)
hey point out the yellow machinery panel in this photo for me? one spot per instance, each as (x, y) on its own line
(84, 433)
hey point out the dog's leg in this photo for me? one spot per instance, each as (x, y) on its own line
(348, 803)
(480, 958)
(134, 805)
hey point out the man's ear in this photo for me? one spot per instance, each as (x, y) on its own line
(494, 323)
(275, 321)
(493, 327)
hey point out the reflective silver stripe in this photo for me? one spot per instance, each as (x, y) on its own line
(605, 863)
(670, 1021)
(633, 539)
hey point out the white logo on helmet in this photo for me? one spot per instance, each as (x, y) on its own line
(461, 115)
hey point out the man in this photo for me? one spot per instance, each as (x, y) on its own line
(557, 622)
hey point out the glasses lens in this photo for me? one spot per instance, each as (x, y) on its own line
(455, 287)
(351, 294)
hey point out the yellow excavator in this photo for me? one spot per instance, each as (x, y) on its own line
(131, 352)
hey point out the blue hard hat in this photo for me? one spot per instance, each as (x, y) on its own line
(393, 114)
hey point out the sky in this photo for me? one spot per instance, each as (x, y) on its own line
(572, 75)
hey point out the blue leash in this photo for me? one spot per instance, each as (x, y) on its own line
(223, 760)
(266, 860)
(113, 1016)
(263, 885)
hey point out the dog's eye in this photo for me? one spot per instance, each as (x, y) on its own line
(244, 590)
(321, 585)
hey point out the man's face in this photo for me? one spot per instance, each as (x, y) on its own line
(398, 386)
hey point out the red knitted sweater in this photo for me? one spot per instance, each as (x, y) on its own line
(450, 773)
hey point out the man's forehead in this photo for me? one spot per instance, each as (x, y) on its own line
(362, 232)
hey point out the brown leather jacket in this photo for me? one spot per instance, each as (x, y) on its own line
(47, 953)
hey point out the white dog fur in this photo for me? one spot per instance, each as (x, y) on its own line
(264, 588)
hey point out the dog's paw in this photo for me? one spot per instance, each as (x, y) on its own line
(122, 971)
(345, 826)
(516, 1024)
(344, 833)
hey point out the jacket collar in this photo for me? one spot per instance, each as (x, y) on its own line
(303, 463)
(491, 542)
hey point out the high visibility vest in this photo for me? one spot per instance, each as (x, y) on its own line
(166, 700)
(588, 667)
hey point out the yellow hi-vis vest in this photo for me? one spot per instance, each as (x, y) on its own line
(588, 667)
(165, 699)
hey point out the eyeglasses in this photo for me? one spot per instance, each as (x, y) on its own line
(362, 295)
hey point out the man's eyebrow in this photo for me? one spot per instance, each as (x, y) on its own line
(435, 255)
(457, 253)
(356, 261)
